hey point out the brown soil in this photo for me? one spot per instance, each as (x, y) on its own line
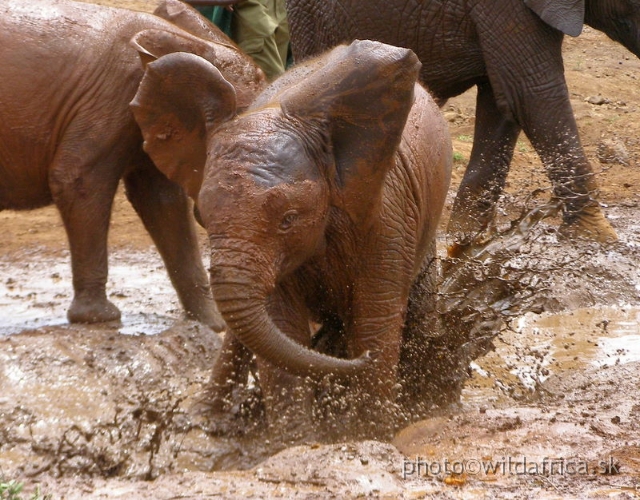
(102, 412)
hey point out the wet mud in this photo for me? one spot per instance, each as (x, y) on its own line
(104, 411)
(547, 408)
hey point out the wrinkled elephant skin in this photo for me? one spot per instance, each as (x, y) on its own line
(321, 203)
(511, 51)
(67, 134)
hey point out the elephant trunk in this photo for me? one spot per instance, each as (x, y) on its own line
(242, 302)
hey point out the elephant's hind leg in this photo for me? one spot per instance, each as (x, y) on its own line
(167, 215)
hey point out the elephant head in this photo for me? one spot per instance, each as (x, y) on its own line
(619, 19)
(276, 185)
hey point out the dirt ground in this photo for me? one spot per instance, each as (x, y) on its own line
(552, 412)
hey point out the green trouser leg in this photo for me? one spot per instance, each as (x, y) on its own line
(261, 29)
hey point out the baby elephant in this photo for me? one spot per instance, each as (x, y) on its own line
(321, 203)
(67, 134)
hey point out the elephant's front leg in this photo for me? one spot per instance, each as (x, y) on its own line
(83, 191)
(372, 411)
(228, 404)
(288, 398)
(370, 402)
(493, 144)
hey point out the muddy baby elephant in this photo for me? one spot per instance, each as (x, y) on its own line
(321, 204)
(67, 135)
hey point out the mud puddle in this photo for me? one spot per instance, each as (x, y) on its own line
(88, 412)
(583, 338)
(39, 292)
(556, 344)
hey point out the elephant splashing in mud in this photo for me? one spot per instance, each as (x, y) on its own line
(321, 203)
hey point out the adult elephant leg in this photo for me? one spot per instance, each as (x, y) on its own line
(538, 100)
(83, 189)
(574, 183)
(166, 213)
(494, 141)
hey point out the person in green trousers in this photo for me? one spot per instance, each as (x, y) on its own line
(259, 27)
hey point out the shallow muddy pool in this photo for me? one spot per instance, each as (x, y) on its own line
(114, 400)
(554, 344)
(82, 402)
(39, 292)
(598, 336)
(538, 346)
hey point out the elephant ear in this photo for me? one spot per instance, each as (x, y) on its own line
(564, 15)
(180, 100)
(236, 66)
(189, 19)
(362, 93)
(154, 43)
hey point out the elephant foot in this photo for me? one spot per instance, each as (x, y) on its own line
(237, 415)
(590, 223)
(92, 311)
(212, 318)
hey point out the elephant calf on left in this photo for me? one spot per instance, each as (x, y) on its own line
(67, 135)
(321, 203)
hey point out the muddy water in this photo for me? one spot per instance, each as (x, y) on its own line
(553, 344)
(39, 292)
(91, 402)
(79, 401)
(598, 336)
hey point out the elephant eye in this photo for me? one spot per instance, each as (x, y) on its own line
(288, 220)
